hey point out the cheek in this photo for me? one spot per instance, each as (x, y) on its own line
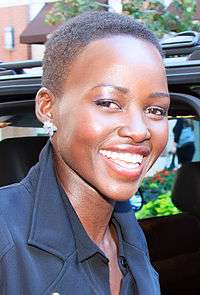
(159, 136)
(88, 129)
(91, 127)
(86, 132)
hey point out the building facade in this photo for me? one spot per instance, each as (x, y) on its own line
(15, 15)
(12, 22)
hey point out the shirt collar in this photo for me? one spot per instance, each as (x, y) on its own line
(131, 231)
(50, 228)
(86, 248)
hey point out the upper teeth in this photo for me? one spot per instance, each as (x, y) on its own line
(127, 157)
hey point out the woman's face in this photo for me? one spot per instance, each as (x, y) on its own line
(111, 121)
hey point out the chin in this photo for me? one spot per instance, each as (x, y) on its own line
(120, 194)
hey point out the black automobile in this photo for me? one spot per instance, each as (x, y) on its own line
(169, 198)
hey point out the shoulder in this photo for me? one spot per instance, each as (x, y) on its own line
(6, 241)
(16, 206)
(6, 245)
(12, 197)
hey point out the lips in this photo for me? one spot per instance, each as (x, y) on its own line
(126, 161)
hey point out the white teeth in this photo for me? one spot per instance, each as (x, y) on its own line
(113, 155)
(126, 157)
(127, 164)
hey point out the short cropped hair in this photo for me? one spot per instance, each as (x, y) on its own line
(70, 39)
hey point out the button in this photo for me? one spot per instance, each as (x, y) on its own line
(123, 262)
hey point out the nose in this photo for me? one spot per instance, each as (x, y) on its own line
(135, 127)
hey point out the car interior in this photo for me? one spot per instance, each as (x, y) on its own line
(174, 241)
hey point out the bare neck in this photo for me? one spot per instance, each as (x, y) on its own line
(93, 210)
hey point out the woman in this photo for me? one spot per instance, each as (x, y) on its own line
(184, 140)
(104, 101)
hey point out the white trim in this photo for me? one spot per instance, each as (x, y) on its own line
(115, 6)
(9, 3)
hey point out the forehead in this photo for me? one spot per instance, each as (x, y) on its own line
(116, 57)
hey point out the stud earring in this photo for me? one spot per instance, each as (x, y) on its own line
(49, 128)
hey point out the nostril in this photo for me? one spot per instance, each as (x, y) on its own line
(137, 134)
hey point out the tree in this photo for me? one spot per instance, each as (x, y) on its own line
(153, 13)
(160, 20)
(64, 9)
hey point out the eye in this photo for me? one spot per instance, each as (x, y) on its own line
(156, 112)
(108, 103)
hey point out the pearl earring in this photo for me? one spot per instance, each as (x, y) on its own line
(49, 128)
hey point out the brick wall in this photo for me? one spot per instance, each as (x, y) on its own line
(17, 17)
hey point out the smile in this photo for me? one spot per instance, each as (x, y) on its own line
(126, 160)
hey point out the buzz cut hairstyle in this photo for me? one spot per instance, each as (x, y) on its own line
(69, 40)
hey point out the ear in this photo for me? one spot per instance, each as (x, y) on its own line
(44, 103)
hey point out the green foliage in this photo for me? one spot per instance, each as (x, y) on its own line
(152, 13)
(161, 206)
(161, 21)
(186, 10)
(157, 195)
(64, 9)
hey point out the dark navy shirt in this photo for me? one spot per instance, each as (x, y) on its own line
(44, 249)
(93, 261)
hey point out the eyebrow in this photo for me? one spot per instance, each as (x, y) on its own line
(119, 88)
(159, 94)
(126, 90)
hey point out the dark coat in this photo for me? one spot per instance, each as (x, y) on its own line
(37, 250)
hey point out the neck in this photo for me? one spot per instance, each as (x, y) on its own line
(93, 209)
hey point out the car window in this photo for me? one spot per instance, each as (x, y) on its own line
(20, 122)
(13, 131)
(9, 132)
(156, 188)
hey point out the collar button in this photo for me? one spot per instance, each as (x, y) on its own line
(123, 262)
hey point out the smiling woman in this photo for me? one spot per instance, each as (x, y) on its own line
(104, 101)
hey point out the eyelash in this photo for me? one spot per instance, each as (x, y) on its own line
(106, 103)
(153, 111)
